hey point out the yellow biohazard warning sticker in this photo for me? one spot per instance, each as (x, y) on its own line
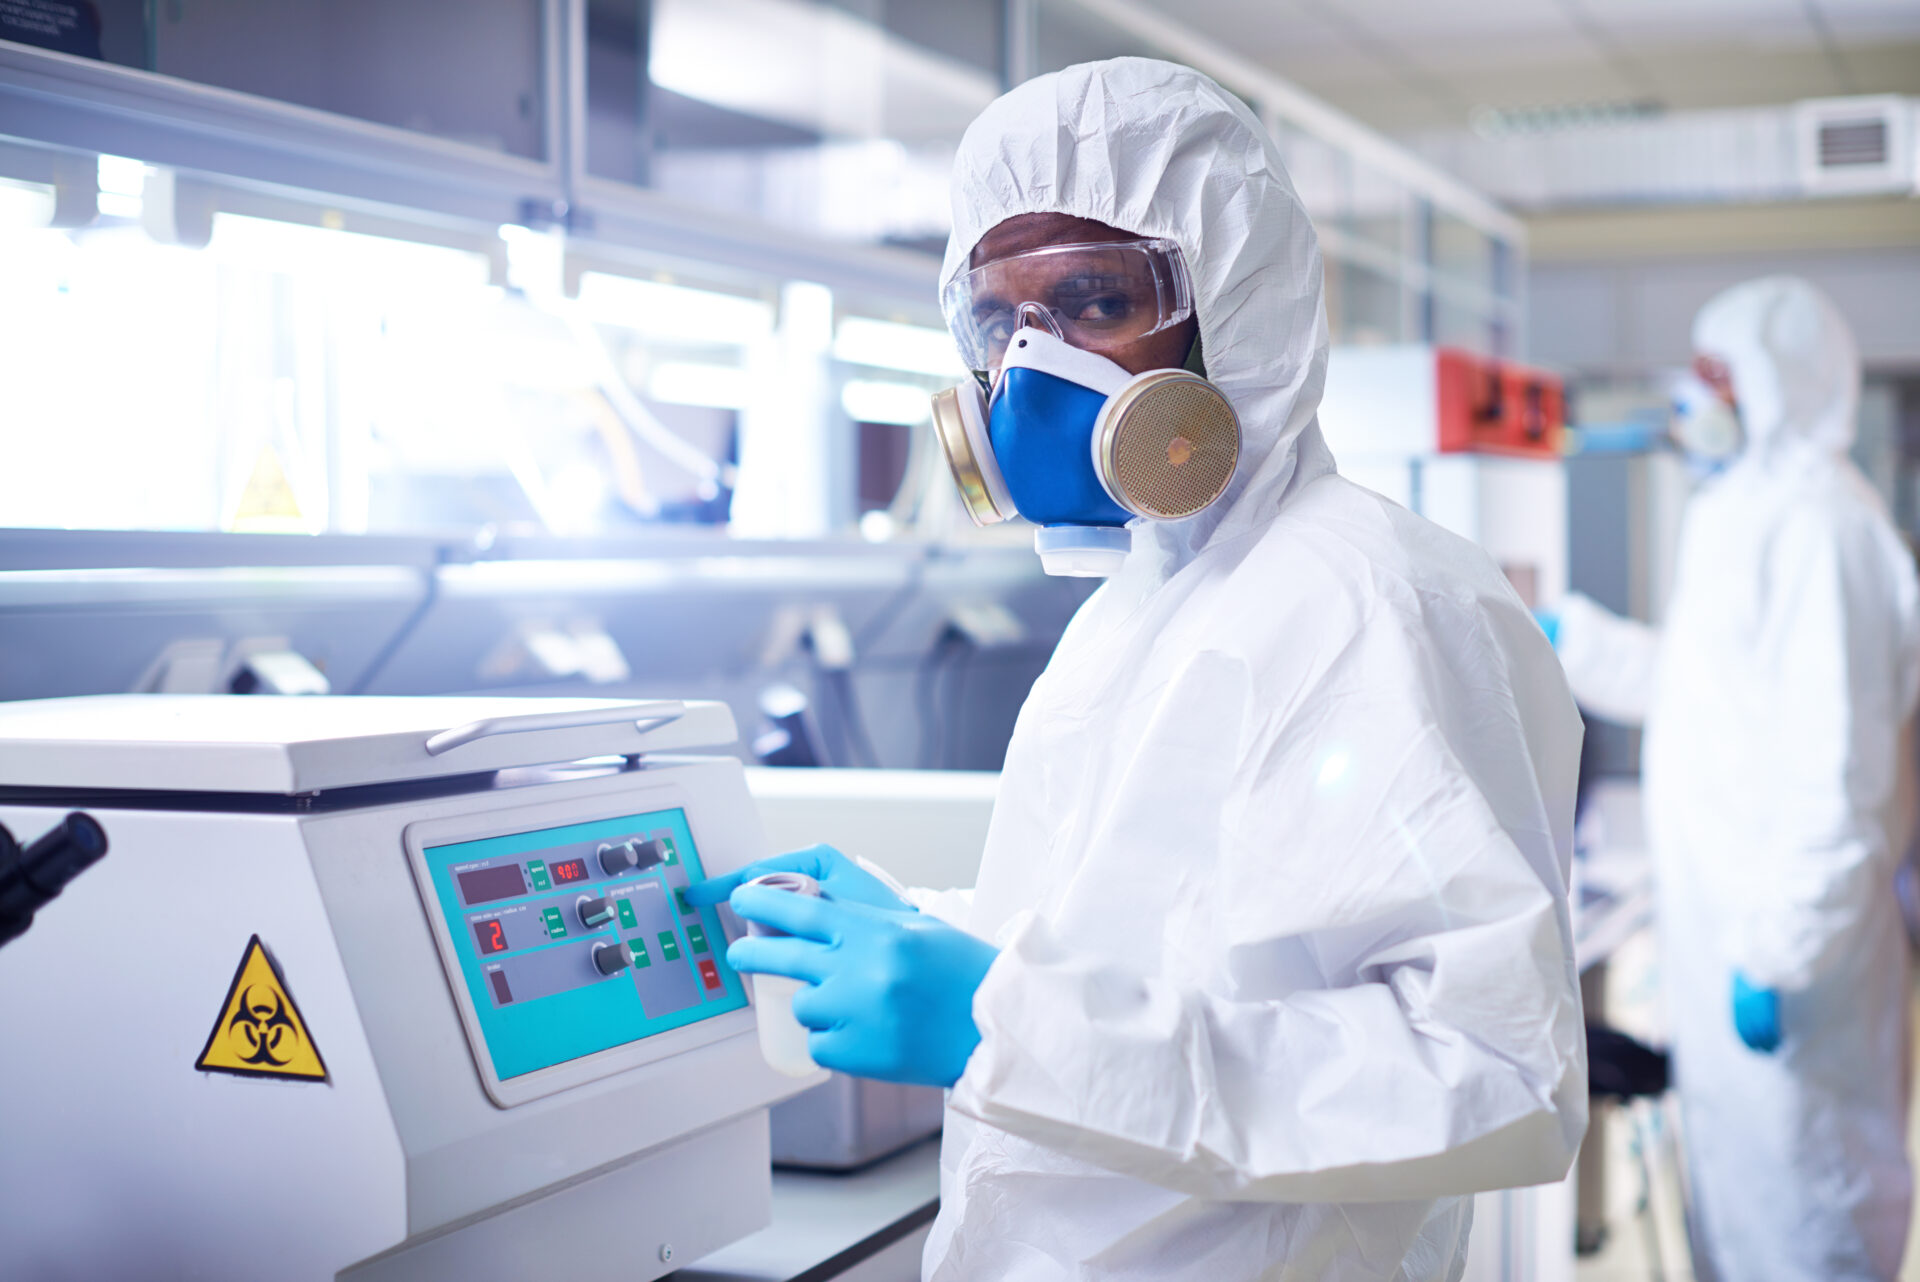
(260, 1032)
(268, 504)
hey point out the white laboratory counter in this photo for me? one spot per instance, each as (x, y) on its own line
(862, 1226)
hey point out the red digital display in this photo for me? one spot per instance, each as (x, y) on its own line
(492, 938)
(572, 870)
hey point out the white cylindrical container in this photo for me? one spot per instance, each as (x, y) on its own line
(783, 1039)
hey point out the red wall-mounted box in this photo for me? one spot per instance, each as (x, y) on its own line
(1497, 407)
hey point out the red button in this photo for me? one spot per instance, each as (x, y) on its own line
(710, 973)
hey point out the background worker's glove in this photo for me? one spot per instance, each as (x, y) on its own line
(890, 991)
(839, 877)
(1549, 621)
(1756, 1015)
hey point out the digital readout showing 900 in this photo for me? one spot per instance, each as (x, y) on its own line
(571, 871)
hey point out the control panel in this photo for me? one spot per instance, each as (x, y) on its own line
(571, 941)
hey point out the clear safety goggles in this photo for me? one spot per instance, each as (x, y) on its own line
(1100, 296)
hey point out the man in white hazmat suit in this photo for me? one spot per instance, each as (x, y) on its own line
(1774, 699)
(1268, 967)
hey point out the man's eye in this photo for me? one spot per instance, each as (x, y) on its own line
(1102, 309)
(994, 328)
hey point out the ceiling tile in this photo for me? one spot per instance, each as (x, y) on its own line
(1863, 20)
(1414, 64)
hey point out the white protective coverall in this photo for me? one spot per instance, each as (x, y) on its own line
(1774, 700)
(1280, 854)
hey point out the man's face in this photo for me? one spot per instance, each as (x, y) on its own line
(1166, 349)
(1714, 372)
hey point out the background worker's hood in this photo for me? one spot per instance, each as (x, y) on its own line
(1796, 369)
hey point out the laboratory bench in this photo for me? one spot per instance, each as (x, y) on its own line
(867, 1225)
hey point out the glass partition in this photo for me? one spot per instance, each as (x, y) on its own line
(1321, 174)
(834, 120)
(1364, 306)
(271, 381)
(888, 371)
(1463, 324)
(1462, 253)
(738, 355)
(296, 379)
(1379, 211)
(1064, 34)
(1472, 302)
(464, 70)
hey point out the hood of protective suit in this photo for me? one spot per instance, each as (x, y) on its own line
(1795, 367)
(1161, 150)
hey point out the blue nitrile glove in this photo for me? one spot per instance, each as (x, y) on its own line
(839, 877)
(1549, 621)
(890, 993)
(1756, 1015)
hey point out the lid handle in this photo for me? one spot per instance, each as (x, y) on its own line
(646, 716)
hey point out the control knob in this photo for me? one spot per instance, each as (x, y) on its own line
(616, 857)
(611, 959)
(638, 853)
(595, 911)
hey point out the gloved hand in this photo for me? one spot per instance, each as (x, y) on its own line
(890, 992)
(839, 877)
(1549, 621)
(1756, 1015)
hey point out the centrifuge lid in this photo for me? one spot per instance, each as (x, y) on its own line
(290, 744)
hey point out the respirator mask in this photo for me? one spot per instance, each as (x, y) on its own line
(1704, 427)
(1053, 430)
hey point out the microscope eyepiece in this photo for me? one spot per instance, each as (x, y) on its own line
(30, 877)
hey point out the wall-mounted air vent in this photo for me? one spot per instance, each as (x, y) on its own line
(1855, 146)
(1852, 142)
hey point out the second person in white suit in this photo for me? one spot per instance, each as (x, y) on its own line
(1774, 699)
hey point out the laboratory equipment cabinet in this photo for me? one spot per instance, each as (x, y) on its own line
(379, 988)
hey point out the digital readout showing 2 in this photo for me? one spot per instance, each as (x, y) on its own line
(577, 939)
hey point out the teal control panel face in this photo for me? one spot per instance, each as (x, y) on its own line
(577, 939)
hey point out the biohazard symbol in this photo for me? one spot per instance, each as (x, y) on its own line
(262, 1027)
(260, 1032)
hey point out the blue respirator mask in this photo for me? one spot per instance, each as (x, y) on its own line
(1068, 439)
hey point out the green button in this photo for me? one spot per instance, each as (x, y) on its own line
(673, 856)
(669, 946)
(538, 871)
(697, 938)
(627, 918)
(680, 897)
(638, 947)
(556, 927)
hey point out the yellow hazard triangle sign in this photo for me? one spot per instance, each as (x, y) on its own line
(260, 1032)
(268, 504)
